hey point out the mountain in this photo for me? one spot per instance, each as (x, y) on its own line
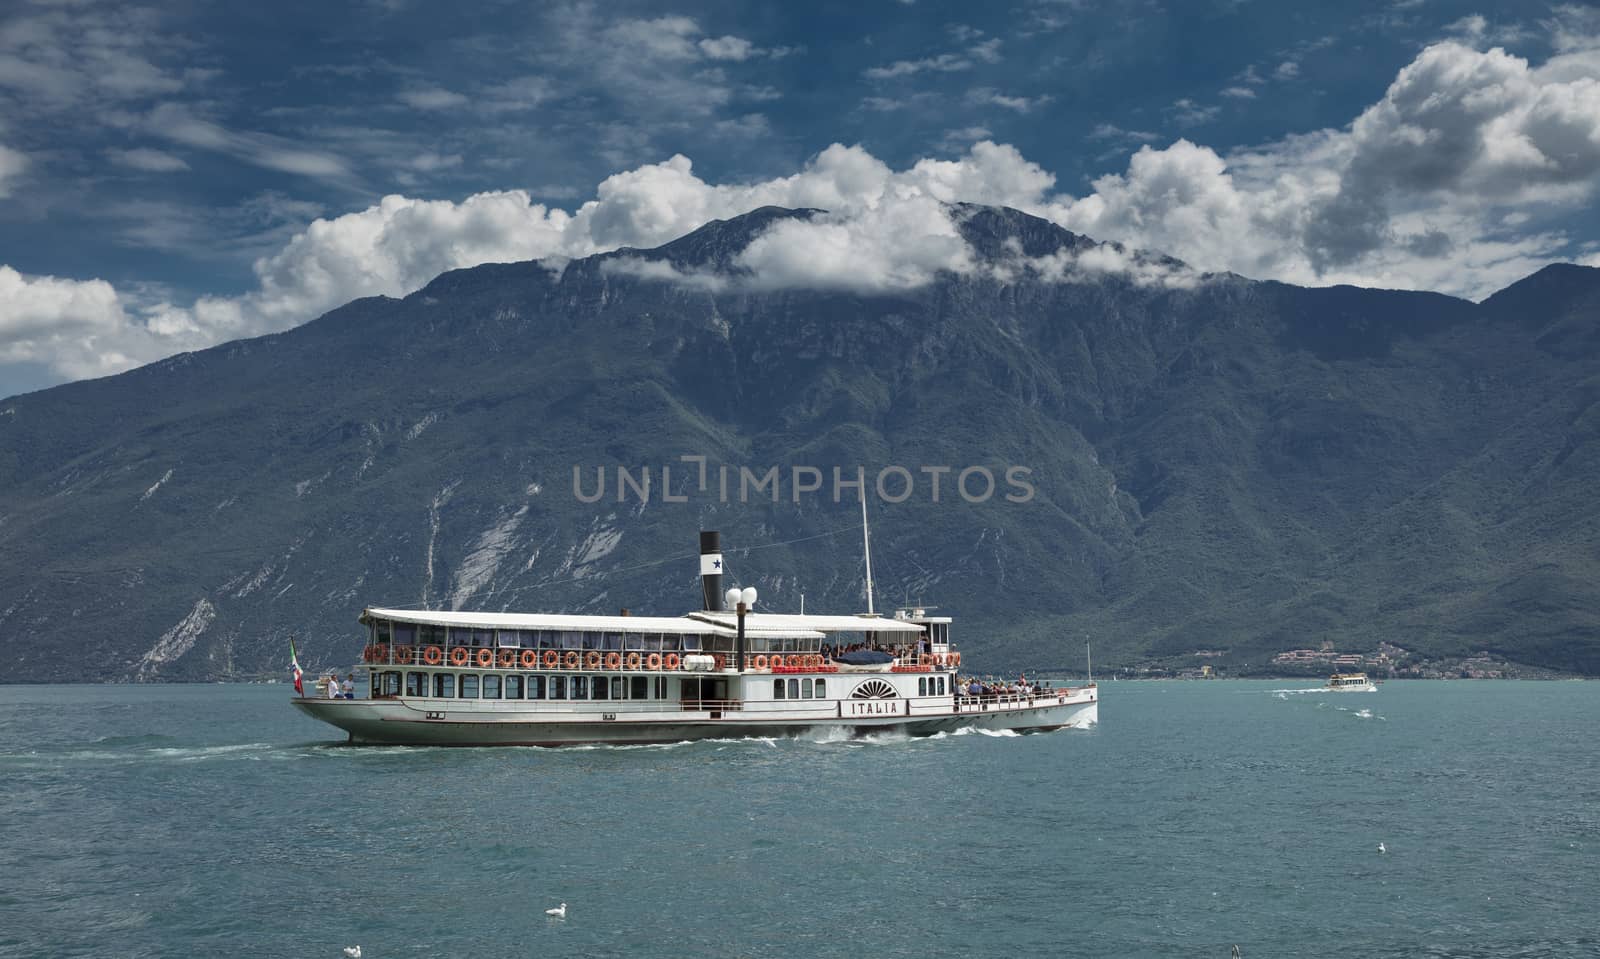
(1218, 465)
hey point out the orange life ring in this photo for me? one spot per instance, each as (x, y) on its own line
(459, 656)
(760, 662)
(507, 658)
(433, 655)
(367, 652)
(485, 658)
(571, 660)
(632, 661)
(402, 654)
(957, 659)
(613, 660)
(529, 659)
(551, 659)
(652, 661)
(591, 660)
(671, 661)
(720, 662)
(793, 662)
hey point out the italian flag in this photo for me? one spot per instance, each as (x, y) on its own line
(294, 668)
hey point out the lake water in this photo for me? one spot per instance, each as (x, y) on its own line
(216, 820)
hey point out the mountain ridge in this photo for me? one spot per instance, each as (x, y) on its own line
(1230, 463)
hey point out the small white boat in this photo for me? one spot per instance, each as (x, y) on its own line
(1350, 683)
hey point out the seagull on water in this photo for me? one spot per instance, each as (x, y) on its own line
(1382, 848)
(354, 952)
(560, 912)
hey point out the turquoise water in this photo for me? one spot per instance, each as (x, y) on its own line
(216, 820)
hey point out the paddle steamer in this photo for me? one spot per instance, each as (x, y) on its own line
(477, 679)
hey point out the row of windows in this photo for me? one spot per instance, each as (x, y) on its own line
(806, 689)
(474, 686)
(425, 634)
(799, 689)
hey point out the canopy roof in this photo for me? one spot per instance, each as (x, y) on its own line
(821, 624)
(755, 625)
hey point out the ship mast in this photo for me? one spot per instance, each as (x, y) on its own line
(866, 543)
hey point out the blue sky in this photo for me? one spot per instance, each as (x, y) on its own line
(176, 176)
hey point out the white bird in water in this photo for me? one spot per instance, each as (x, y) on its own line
(560, 912)
(354, 952)
(1382, 848)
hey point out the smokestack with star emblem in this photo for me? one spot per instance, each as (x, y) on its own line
(711, 569)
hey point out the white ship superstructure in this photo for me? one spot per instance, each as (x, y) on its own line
(483, 678)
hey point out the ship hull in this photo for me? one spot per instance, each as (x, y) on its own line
(403, 722)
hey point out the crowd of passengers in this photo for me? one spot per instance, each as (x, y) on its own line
(902, 651)
(1019, 688)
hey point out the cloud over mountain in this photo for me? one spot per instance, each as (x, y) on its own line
(1442, 184)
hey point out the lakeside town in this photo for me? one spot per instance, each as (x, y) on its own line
(1387, 661)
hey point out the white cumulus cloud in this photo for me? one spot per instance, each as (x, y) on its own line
(1454, 180)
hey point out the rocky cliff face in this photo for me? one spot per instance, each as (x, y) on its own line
(1216, 463)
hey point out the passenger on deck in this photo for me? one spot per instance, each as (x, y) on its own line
(331, 687)
(347, 689)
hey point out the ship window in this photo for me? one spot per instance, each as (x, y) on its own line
(469, 687)
(416, 684)
(640, 687)
(619, 688)
(380, 631)
(611, 641)
(444, 686)
(777, 689)
(794, 689)
(579, 688)
(405, 634)
(822, 689)
(922, 685)
(535, 687)
(491, 687)
(571, 639)
(509, 639)
(661, 687)
(428, 635)
(513, 687)
(558, 687)
(805, 690)
(602, 687)
(391, 684)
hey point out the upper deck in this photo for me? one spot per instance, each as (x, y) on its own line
(700, 641)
